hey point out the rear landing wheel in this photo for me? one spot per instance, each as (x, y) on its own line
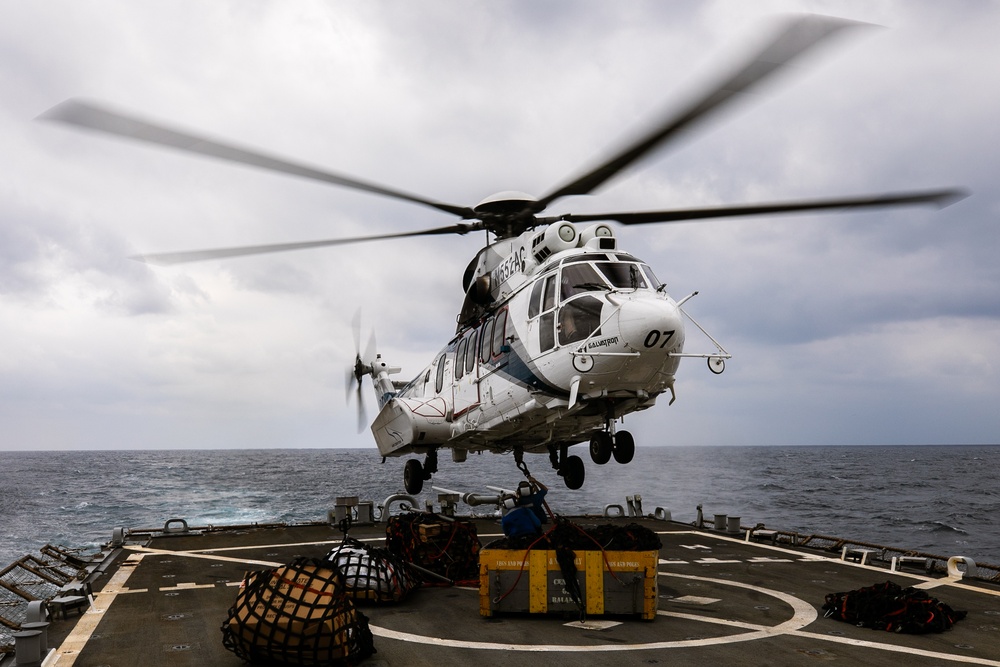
(624, 448)
(600, 447)
(573, 472)
(413, 477)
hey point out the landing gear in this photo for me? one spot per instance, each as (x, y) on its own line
(600, 447)
(603, 446)
(624, 448)
(573, 472)
(570, 468)
(413, 476)
(414, 473)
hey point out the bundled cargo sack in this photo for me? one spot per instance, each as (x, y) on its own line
(297, 614)
(445, 546)
(370, 573)
(892, 608)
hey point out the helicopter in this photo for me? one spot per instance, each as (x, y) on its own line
(561, 332)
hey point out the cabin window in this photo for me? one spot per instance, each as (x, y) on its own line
(470, 354)
(499, 329)
(578, 319)
(577, 278)
(439, 380)
(535, 302)
(460, 358)
(485, 338)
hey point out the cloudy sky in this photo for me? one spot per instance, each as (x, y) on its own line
(847, 328)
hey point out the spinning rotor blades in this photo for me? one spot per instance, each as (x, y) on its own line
(167, 258)
(94, 117)
(940, 198)
(510, 217)
(798, 36)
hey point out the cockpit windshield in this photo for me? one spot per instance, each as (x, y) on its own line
(577, 278)
(623, 275)
(598, 272)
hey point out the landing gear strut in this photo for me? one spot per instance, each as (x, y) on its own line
(414, 473)
(570, 468)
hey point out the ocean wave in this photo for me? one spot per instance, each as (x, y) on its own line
(941, 527)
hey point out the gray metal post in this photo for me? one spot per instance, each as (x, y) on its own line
(27, 651)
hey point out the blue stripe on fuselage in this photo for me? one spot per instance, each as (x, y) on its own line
(513, 367)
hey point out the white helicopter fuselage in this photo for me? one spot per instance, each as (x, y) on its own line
(569, 334)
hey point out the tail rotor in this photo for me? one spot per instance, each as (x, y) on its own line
(362, 367)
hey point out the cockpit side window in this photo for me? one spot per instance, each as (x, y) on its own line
(652, 277)
(549, 298)
(535, 301)
(547, 321)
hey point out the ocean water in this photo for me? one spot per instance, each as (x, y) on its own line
(938, 499)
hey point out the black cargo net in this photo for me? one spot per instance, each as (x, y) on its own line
(445, 547)
(371, 573)
(892, 608)
(298, 614)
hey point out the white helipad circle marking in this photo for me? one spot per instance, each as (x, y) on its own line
(803, 615)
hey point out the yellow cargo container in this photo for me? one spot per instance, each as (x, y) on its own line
(611, 582)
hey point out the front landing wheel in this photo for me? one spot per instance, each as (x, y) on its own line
(413, 477)
(573, 472)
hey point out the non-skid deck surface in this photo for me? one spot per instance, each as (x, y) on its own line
(722, 601)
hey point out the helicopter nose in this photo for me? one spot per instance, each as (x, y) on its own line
(651, 325)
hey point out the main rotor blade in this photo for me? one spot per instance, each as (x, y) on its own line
(168, 258)
(94, 117)
(797, 37)
(939, 198)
